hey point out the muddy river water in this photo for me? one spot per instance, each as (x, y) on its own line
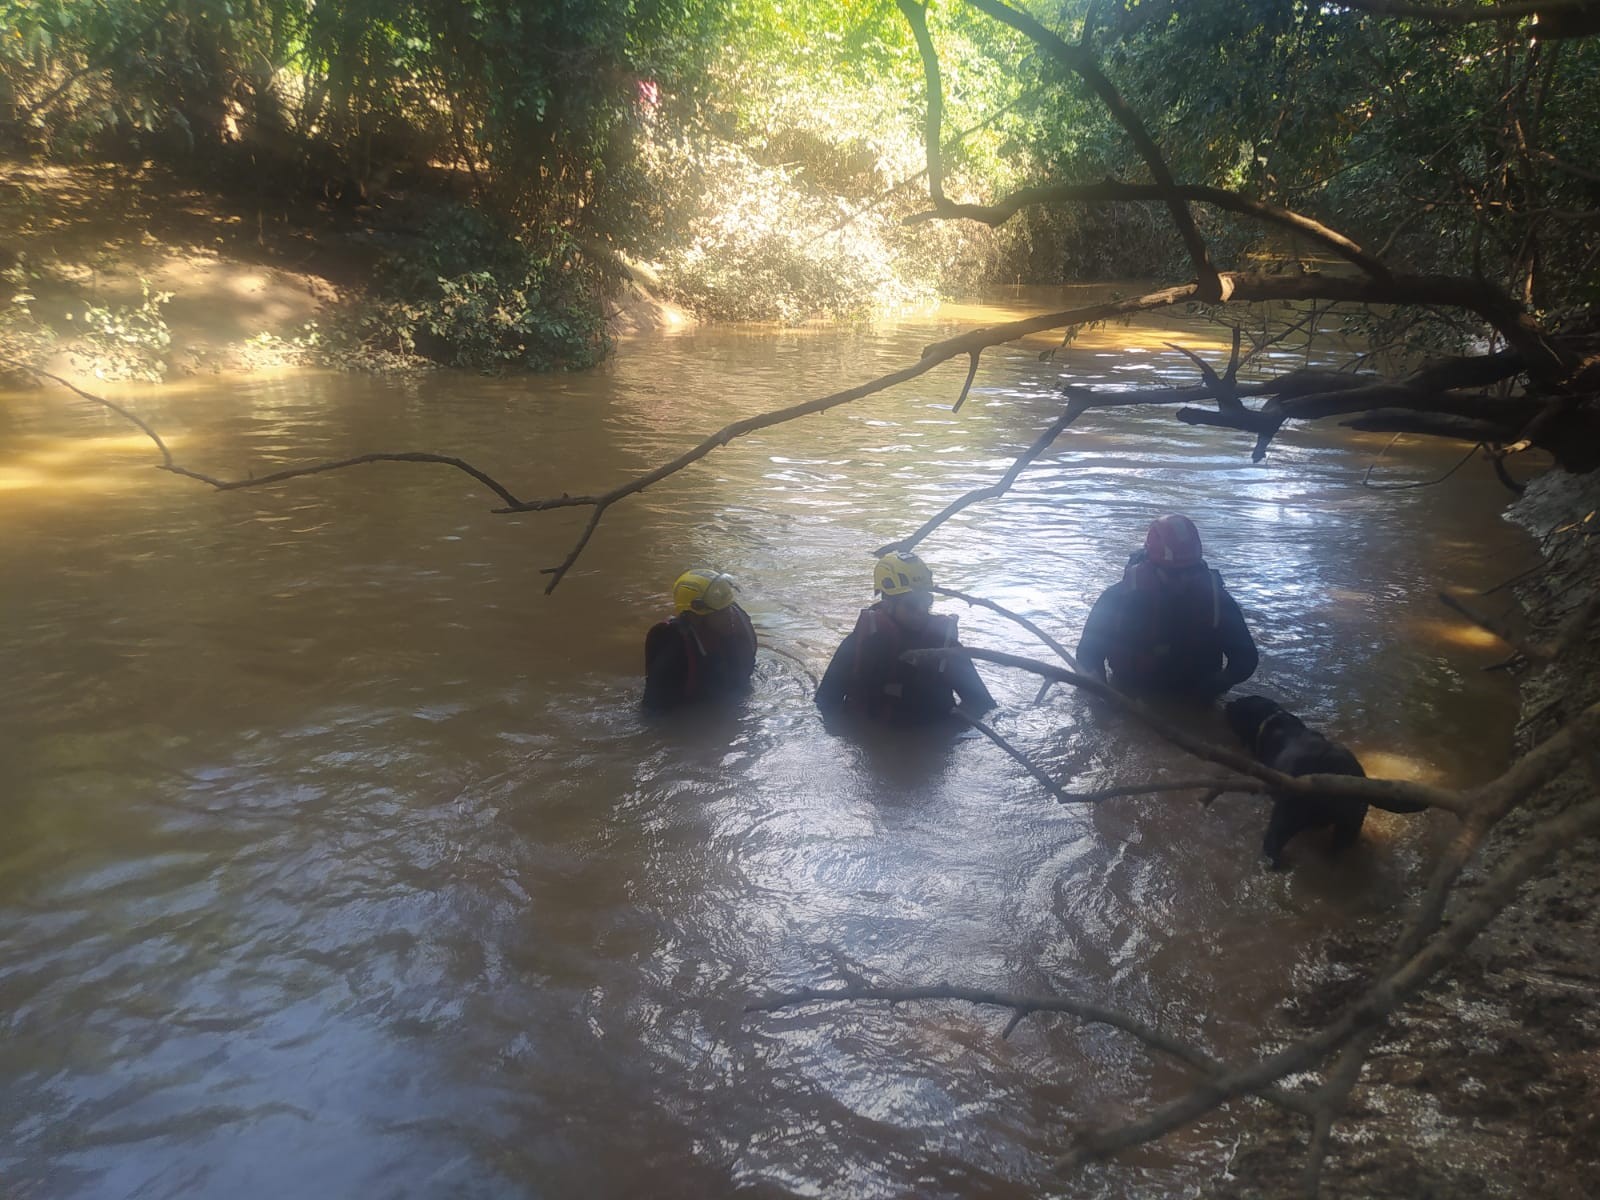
(336, 860)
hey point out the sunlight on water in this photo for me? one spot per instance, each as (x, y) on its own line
(1456, 633)
(340, 862)
(1389, 764)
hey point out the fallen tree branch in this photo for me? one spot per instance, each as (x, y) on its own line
(1245, 287)
(1438, 425)
(1038, 772)
(1116, 191)
(230, 485)
(600, 503)
(1348, 786)
(1078, 59)
(1044, 637)
(1425, 948)
(994, 491)
(1023, 1006)
(1543, 841)
(1214, 785)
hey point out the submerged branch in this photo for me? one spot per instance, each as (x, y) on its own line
(1023, 1005)
(1033, 768)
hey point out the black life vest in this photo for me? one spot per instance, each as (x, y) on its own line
(884, 687)
(717, 664)
(1168, 626)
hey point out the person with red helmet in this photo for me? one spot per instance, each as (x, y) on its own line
(1169, 626)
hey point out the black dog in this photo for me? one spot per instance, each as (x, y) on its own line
(1283, 741)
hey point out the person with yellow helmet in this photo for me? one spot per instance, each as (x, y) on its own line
(706, 651)
(867, 675)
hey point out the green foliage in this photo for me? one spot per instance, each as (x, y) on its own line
(129, 341)
(474, 293)
(731, 139)
(765, 248)
(25, 337)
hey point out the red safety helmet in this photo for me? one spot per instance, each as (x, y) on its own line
(1172, 542)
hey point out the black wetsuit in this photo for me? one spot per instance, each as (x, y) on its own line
(1173, 632)
(686, 662)
(867, 676)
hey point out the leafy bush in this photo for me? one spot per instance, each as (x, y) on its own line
(25, 337)
(473, 293)
(129, 341)
(767, 243)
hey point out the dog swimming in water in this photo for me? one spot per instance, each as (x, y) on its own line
(1284, 742)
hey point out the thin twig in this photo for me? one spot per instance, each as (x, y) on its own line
(994, 491)
(166, 454)
(1366, 480)
(230, 485)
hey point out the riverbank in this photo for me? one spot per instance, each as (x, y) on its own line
(1490, 1086)
(113, 272)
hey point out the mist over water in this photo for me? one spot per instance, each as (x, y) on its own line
(338, 859)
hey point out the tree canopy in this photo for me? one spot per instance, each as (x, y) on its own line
(1453, 138)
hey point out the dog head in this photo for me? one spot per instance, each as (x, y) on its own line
(1250, 716)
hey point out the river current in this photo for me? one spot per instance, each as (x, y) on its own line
(337, 860)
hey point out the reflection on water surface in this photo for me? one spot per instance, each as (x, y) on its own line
(339, 861)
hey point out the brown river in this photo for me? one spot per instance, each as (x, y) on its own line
(338, 861)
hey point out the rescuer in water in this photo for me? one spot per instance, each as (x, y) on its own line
(706, 651)
(867, 676)
(1168, 627)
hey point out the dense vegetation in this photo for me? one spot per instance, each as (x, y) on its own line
(764, 154)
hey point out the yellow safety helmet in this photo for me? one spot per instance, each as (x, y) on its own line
(702, 591)
(899, 572)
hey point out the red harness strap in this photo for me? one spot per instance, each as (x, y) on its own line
(882, 699)
(737, 651)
